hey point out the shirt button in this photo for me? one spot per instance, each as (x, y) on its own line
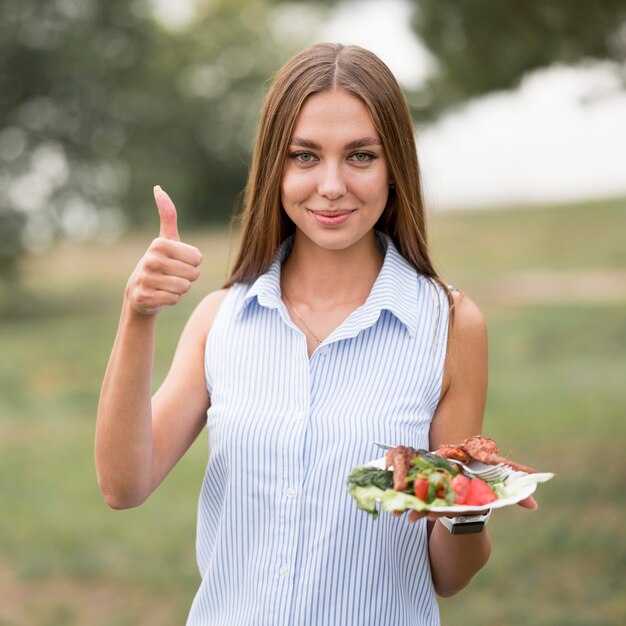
(299, 415)
(290, 492)
(323, 351)
(283, 571)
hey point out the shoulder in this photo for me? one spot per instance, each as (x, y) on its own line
(466, 355)
(467, 320)
(464, 386)
(211, 303)
(203, 316)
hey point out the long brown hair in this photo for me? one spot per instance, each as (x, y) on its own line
(323, 67)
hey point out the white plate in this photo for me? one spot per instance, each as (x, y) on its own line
(516, 487)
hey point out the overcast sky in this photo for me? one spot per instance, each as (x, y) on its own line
(561, 136)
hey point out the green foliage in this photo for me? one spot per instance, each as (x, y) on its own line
(11, 225)
(99, 102)
(488, 45)
(431, 463)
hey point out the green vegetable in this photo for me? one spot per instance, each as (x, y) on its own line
(370, 485)
(428, 460)
(366, 476)
(366, 498)
(440, 487)
(399, 501)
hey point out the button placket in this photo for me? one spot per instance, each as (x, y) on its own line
(290, 503)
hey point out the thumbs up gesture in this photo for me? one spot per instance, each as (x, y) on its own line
(167, 214)
(167, 269)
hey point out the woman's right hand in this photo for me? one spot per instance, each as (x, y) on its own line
(167, 269)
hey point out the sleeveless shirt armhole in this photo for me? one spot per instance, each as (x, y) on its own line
(216, 321)
(440, 347)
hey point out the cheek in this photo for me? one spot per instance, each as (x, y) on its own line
(294, 188)
(373, 189)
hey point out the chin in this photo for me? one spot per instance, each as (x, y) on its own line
(336, 240)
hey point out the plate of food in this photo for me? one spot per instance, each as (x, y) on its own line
(470, 476)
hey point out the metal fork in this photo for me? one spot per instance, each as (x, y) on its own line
(488, 473)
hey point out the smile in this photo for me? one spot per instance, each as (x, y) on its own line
(332, 218)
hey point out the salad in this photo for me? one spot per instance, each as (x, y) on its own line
(422, 480)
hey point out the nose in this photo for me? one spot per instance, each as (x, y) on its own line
(331, 184)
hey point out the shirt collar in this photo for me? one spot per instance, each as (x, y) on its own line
(395, 288)
(266, 288)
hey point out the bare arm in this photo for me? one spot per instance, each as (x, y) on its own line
(139, 439)
(456, 558)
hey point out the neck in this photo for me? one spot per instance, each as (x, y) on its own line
(325, 278)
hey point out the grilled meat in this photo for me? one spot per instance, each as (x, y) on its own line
(486, 451)
(456, 452)
(400, 458)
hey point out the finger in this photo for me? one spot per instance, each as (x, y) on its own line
(171, 284)
(414, 516)
(175, 267)
(177, 250)
(167, 213)
(150, 301)
(529, 503)
(166, 298)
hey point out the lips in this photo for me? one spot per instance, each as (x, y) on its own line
(332, 218)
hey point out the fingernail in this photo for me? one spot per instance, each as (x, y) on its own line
(157, 188)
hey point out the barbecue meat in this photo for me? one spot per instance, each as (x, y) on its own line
(400, 458)
(485, 450)
(456, 452)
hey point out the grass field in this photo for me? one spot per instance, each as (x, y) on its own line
(552, 283)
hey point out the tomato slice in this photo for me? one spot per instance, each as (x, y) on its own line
(480, 493)
(420, 486)
(461, 487)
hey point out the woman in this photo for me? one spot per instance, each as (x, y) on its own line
(331, 333)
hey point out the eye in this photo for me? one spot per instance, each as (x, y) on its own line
(302, 157)
(362, 157)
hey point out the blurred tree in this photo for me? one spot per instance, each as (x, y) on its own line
(486, 45)
(102, 99)
(63, 65)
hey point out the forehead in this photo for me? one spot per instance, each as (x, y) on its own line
(335, 113)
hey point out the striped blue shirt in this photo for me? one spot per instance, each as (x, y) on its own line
(280, 542)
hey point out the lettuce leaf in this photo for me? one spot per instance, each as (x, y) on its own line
(399, 501)
(367, 476)
(366, 498)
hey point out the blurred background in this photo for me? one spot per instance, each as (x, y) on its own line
(520, 114)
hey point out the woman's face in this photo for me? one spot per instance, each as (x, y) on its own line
(336, 179)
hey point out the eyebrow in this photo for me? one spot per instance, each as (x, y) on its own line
(357, 143)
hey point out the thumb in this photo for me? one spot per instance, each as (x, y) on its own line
(167, 213)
